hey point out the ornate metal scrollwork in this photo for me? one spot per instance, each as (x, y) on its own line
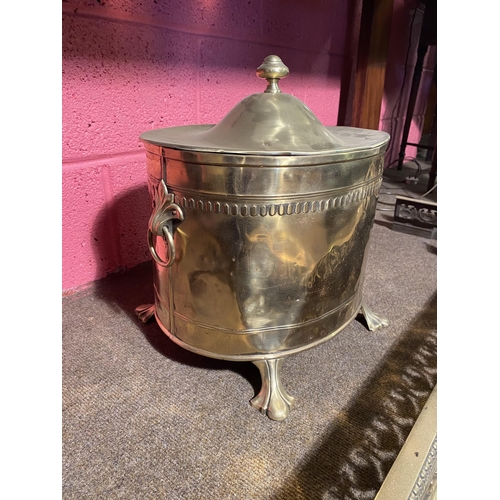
(161, 223)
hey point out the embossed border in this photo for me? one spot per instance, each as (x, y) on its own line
(427, 475)
(249, 209)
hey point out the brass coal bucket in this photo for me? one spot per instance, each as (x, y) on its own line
(260, 230)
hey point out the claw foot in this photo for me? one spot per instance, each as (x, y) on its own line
(272, 399)
(374, 321)
(145, 312)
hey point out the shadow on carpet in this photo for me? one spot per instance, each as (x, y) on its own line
(356, 453)
(352, 458)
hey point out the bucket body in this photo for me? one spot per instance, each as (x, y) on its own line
(264, 256)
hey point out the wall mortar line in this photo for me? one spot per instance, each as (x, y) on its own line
(98, 160)
(107, 14)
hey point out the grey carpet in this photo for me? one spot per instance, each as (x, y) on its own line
(146, 419)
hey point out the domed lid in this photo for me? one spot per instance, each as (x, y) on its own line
(266, 124)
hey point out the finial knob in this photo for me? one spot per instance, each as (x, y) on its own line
(272, 69)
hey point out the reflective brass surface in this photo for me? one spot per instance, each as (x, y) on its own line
(161, 223)
(268, 124)
(272, 399)
(268, 218)
(269, 272)
(272, 69)
(373, 321)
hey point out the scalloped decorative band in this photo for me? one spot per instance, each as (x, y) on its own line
(248, 209)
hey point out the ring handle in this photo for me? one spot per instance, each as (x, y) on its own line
(169, 240)
(160, 223)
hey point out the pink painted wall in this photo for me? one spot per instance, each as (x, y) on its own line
(133, 66)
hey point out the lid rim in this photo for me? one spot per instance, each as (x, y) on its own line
(262, 161)
(144, 137)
